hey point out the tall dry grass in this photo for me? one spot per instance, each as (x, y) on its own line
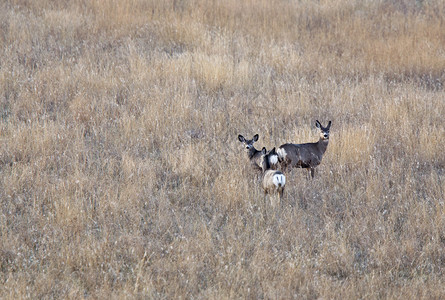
(121, 174)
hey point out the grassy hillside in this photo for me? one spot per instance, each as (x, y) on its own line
(121, 175)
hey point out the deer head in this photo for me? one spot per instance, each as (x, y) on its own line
(324, 131)
(248, 143)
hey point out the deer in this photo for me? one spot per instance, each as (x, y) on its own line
(253, 154)
(273, 181)
(308, 155)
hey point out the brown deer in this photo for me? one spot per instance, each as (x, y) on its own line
(273, 181)
(253, 154)
(307, 155)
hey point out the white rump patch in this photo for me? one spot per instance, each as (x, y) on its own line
(279, 180)
(281, 153)
(273, 159)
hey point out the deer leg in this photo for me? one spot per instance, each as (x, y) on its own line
(280, 193)
(312, 173)
(288, 166)
(272, 202)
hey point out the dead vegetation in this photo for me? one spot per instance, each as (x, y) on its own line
(121, 174)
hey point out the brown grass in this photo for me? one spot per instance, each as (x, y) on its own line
(121, 174)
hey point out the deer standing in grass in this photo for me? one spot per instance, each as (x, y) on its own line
(253, 154)
(273, 181)
(307, 155)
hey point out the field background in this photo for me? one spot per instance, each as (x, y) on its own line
(121, 175)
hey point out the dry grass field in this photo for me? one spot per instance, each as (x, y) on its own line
(121, 175)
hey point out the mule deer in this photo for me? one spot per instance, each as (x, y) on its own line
(273, 181)
(253, 154)
(307, 155)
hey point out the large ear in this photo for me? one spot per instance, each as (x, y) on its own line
(317, 124)
(264, 151)
(241, 138)
(329, 124)
(255, 137)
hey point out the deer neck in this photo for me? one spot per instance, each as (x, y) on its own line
(265, 165)
(322, 145)
(252, 152)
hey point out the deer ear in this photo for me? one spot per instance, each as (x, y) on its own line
(241, 138)
(263, 151)
(255, 137)
(317, 124)
(329, 124)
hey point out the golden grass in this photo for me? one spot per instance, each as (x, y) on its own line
(121, 174)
